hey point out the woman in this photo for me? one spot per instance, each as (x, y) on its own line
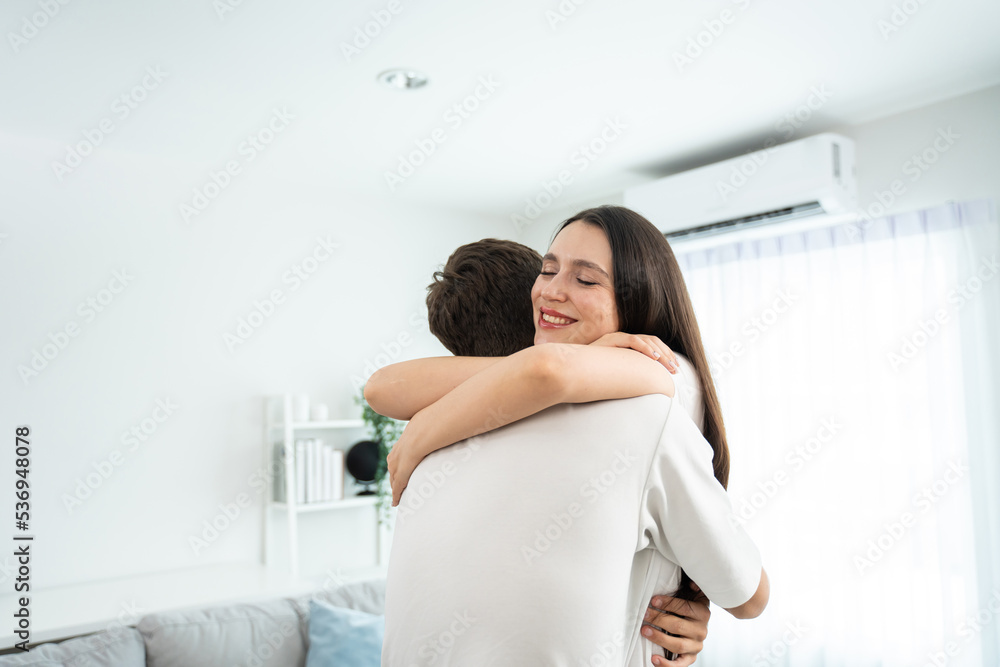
(608, 271)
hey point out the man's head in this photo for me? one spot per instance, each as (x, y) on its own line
(479, 305)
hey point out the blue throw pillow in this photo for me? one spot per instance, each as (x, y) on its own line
(343, 637)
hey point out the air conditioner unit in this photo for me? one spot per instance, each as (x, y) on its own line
(801, 179)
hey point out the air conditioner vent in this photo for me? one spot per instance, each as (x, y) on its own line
(768, 218)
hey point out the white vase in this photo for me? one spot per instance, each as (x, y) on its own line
(319, 412)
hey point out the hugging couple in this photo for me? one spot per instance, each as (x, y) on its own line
(561, 483)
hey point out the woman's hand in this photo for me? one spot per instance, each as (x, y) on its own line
(651, 346)
(686, 619)
(401, 462)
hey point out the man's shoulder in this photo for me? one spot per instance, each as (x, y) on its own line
(648, 404)
(596, 417)
(641, 417)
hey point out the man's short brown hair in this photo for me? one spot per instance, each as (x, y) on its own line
(479, 304)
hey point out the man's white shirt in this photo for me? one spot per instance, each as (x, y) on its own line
(541, 543)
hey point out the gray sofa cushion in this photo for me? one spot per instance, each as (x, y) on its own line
(268, 634)
(121, 647)
(367, 596)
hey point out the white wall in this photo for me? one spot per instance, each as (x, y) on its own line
(161, 339)
(968, 169)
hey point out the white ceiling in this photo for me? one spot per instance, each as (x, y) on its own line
(558, 85)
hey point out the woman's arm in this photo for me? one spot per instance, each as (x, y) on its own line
(519, 386)
(403, 389)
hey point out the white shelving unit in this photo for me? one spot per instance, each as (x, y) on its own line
(279, 428)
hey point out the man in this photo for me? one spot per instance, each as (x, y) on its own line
(499, 538)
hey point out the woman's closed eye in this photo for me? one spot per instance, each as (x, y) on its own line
(582, 281)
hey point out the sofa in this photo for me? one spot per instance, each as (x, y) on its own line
(270, 633)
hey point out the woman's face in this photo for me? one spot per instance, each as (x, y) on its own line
(574, 298)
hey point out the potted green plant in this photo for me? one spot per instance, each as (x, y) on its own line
(385, 431)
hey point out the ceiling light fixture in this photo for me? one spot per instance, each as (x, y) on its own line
(402, 79)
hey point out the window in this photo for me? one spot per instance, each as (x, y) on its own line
(857, 366)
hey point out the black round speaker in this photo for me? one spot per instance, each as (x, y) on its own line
(362, 463)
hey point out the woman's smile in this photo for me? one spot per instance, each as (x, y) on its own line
(553, 319)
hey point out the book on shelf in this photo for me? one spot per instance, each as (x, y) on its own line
(278, 471)
(336, 474)
(318, 471)
(301, 463)
(326, 475)
(313, 471)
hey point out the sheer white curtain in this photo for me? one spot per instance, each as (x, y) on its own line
(857, 369)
